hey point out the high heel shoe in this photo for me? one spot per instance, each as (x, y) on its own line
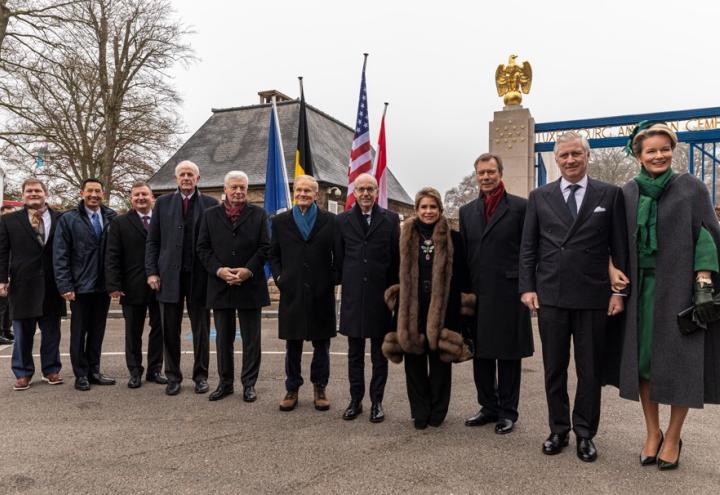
(648, 460)
(665, 465)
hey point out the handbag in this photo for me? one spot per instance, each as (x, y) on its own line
(688, 323)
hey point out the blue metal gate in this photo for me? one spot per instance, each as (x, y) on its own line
(703, 158)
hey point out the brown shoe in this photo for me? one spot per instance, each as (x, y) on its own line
(22, 383)
(290, 401)
(321, 401)
(53, 378)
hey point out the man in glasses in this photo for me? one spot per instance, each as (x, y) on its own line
(367, 248)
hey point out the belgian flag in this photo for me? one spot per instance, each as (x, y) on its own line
(303, 156)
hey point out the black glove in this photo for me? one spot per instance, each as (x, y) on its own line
(703, 300)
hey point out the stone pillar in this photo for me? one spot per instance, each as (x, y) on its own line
(512, 137)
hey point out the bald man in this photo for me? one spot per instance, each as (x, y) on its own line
(367, 238)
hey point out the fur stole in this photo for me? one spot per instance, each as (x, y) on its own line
(408, 335)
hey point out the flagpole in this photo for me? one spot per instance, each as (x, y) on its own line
(282, 152)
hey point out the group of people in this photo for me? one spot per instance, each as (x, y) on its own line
(607, 268)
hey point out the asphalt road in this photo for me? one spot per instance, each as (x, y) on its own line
(54, 439)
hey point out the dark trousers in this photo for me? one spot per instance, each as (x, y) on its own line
(5, 317)
(134, 315)
(498, 386)
(87, 331)
(428, 382)
(587, 329)
(171, 315)
(249, 333)
(319, 367)
(356, 368)
(22, 356)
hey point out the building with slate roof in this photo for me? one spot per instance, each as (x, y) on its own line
(236, 139)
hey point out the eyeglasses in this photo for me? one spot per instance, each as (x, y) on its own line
(365, 189)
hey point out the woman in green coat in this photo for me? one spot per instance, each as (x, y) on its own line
(673, 235)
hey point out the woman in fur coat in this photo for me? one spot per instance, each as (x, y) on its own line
(426, 305)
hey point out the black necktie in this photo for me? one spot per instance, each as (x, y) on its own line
(366, 216)
(571, 202)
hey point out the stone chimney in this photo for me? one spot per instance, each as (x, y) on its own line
(267, 96)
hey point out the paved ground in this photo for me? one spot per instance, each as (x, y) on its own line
(117, 440)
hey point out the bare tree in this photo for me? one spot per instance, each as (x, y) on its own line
(93, 98)
(463, 193)
(26, 21)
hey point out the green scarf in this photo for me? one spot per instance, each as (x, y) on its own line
(650, 190)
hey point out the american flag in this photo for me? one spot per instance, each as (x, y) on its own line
(361, 152)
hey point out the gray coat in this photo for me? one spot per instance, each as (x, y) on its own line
(685, 368)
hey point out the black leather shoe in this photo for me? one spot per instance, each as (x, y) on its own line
(586, 450)
(249, 394)
(172, 388)
(420, 424)
(649, 460)
(555, 443)
(353, 410)
(377, 415)
(82, 384)
(135, 381)
(504, 426)
(157, 377)
(201, 387)
(665, 465)
(221, 392)
(100, 379)
(481, 419)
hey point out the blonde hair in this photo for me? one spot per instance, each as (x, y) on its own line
(428, 192)
(658, 129)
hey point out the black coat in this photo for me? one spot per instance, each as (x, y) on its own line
(503, 329)
(368, 264)
(78, 254)
(125, 260)
(163, 251)
(29, 267)
(304, 271)
(243, 244)
(566, 262)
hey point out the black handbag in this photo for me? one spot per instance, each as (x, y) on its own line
(688, 322)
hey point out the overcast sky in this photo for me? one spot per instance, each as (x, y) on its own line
(435, 61)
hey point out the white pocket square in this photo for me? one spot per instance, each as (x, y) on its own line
(599, 209)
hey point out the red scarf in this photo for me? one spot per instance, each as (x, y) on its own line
(492, 201)
(233, 212)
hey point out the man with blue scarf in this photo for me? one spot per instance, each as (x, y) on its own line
(303, 264)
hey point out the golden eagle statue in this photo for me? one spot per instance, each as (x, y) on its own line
(510, 79)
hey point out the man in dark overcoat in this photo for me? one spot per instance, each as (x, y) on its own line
(368, 239)
(303, 265)
(125, 279)
(232, 246)
(491, 227)
(178, 277)
(572, 228)
(79, 261)
(26, 259)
